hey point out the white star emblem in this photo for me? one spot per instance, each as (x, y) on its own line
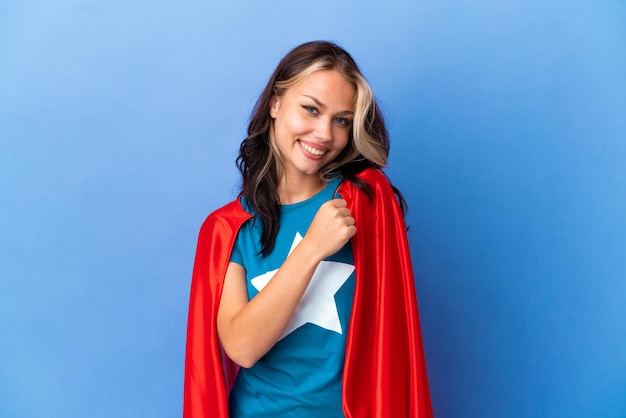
(317, 305)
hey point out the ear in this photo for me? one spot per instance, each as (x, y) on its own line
(274, 106)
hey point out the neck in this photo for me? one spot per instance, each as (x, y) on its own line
(292, 190)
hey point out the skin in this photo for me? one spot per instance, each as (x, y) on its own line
(312, 122)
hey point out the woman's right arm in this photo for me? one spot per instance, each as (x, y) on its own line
(248, 329)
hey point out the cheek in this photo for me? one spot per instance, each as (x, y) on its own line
(283, 126)
(290, 128)
(296, 125)
(341, 139)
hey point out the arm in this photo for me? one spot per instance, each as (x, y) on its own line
(248, 329)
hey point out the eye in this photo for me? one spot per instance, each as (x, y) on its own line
(345, 122)
(310, 109)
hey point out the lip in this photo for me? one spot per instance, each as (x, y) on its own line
(311, 150)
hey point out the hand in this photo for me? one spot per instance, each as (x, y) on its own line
(330, 229)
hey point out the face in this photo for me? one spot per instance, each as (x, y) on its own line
(312, 122)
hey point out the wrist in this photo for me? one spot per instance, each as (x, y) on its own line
(309, 252)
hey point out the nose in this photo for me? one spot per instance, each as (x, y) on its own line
(323, 129)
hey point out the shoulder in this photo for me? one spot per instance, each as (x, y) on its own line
(374, 177)
(234, 208)
(377, 209)
(227, 218)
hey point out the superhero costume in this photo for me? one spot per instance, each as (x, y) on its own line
(385, 369)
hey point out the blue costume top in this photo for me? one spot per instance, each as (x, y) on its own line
(301, 375)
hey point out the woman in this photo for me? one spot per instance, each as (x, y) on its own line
(302, 288)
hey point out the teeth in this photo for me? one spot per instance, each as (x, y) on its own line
(312, 150)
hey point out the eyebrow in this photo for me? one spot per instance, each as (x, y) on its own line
(323, 106)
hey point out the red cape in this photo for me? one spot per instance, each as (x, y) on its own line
(385, 370)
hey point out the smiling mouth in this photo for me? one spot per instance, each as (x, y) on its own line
(312, 150)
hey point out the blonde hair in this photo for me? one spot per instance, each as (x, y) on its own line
(362, 144)
(368, 146)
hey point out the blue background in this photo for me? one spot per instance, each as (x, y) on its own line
(119, 126)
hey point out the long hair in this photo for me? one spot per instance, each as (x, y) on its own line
(368, 145)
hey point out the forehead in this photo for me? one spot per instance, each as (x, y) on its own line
(326, 85)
